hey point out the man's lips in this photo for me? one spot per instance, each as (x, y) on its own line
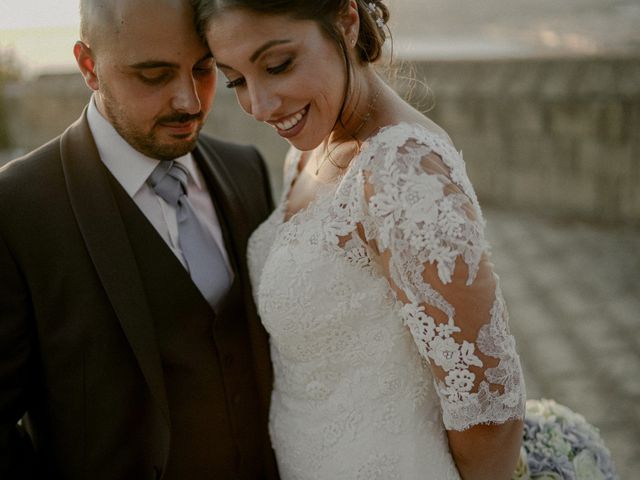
(180, 127)
(180, 120)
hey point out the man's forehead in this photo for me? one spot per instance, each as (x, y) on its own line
(123, 8)
(158, 38)
(112, 16)
(141, 30)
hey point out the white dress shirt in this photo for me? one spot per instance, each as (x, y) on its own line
(132, 169)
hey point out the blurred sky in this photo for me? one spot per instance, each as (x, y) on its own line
(41, 33)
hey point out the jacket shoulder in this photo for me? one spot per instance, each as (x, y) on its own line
(242, 162)
(230, 151)
(245, 166)
(30, 168)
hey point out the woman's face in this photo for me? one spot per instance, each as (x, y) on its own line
(285, 72)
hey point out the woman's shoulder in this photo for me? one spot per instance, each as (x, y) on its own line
(415, 148)
(403, 138)
(415, 145)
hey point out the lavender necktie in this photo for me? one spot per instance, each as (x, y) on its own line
(201, 253)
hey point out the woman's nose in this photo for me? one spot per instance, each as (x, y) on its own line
(262, 104)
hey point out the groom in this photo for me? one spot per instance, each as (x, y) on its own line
(129, 343)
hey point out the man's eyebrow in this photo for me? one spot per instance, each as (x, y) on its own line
(153, 64)
(147, 64)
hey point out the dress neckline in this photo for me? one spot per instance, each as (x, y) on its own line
(377, 137)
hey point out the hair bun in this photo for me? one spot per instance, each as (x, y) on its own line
(374, 16)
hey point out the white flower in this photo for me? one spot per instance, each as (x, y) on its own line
(556, 442)
(420, 324)
(332, 433)
(444, 352)
(385, 202)
(419, 197)
(467, 356)
(446, 329)
(460, 380)
(586, 467)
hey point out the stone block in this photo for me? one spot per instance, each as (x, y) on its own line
(615, 116)
(455, 116)
(491, 78)
(630, 204)
(524, 80)
(524, 116)
(558, 80)
(571, 118)
(627, 76)
(595, 79)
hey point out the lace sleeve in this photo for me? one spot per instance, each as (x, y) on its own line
(424, 225)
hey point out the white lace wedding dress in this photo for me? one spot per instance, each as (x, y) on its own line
(387, 324)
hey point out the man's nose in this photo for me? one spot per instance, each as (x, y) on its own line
(185, 97)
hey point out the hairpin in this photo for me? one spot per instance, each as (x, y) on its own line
(371, 6)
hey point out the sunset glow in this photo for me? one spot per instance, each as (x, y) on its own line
(20, 14)
(40, 33)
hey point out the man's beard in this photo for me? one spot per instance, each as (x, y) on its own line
(146, 142)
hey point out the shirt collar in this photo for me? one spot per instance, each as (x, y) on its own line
(130, 167)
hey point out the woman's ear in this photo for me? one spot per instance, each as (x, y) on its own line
(349, 22)
(86, 64)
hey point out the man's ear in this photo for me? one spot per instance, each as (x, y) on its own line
(349, 22)
(86, 64)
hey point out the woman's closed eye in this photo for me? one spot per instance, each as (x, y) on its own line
(234, 83)
(281, 68)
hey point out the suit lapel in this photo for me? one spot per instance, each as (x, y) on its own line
(230, 212)
(108, 245)
(227, 200)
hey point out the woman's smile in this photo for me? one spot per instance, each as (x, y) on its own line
(286, 127)
(275, 72)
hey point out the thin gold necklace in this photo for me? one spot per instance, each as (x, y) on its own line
(364, 121)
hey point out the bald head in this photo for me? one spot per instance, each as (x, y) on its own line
(102, 20)
(96, 18)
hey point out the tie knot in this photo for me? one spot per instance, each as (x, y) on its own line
(169, 181)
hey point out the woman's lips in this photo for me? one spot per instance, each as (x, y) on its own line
(292, 125)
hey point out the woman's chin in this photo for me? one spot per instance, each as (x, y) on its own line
(304, 145)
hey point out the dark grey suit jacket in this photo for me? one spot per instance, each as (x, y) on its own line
(79, 351)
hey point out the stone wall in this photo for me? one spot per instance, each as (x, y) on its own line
(42, 108)
(556, 136)
(559, 136)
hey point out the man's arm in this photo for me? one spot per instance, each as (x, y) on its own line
(17, 456)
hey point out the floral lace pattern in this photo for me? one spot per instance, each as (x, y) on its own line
(387, 324)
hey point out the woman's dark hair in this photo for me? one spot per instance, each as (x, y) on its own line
(371, 37)
(373, 18)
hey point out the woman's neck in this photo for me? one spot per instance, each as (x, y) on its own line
(358, 121)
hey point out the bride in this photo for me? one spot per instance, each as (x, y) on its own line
(389, 335)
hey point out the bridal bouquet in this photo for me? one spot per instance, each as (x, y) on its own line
(559, 444)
